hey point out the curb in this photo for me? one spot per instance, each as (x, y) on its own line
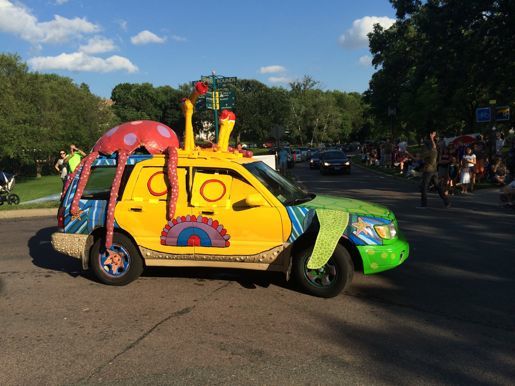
(25, 213)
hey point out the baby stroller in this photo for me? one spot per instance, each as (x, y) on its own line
(6, 185)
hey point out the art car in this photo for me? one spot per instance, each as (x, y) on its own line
(139, 200)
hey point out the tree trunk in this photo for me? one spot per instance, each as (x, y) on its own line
(39, 168)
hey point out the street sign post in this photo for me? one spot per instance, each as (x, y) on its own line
(502, 113)
(483, 114)
(217, 97)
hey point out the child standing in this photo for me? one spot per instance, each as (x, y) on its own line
(454, 168)
(464, 175)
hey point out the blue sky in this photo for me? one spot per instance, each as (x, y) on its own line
(103, 43)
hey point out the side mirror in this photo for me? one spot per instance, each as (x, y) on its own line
(253, 200)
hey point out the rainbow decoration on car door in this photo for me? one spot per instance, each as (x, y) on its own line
(195, 231)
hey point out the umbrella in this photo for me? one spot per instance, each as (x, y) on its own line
(465, 139)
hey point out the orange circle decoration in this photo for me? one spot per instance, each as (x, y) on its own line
(208, 199)
(149, 186)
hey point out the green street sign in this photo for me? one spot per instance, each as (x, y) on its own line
(226, 80)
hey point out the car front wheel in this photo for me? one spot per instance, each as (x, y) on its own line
(328, 281)
(119, 265)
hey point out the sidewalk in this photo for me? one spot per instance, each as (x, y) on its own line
(485, 196)
(24, 213)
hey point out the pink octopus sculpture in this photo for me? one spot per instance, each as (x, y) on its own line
(155, 137)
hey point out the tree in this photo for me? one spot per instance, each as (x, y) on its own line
(39, 114)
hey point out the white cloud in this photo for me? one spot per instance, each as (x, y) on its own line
(60, 2)
(146, 37)
(179, 39)
(79, 61)
(365, 60)
(271, 69)
(356, 37)
(279, 79)
(18, 20)
(97, 45)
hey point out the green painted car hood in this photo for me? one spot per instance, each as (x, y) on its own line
(348, 205)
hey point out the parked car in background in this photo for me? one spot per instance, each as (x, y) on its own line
(291, 162)
(314, 162)
(334, 161)
(305, 153)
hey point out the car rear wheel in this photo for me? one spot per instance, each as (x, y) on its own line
(327, 281)
(119, 265)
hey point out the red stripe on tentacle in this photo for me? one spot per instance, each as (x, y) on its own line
(113, 196)
(171, 168)
(84, 177)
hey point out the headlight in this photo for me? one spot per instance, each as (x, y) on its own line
(326, 163)
(386, 231)
(347, 163)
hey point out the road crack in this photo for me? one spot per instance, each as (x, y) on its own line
(176, 314)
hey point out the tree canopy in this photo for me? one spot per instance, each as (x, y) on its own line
(441, 60)
(40, 114)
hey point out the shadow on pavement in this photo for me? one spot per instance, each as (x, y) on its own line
(414, 346)
(44, 256)
(248, 279)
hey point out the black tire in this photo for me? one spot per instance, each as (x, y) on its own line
(337, 273)
(131, 260)
(13, 199)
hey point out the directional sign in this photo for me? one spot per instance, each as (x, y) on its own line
(227, 99)
(226, 80)
(502, 113)
(483, 114)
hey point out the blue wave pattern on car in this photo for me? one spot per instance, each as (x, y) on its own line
(93, 211)
(301, 219)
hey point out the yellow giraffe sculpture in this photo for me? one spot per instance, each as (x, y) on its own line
(188, 107)
(227, 121)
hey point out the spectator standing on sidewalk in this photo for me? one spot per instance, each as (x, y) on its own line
(62, 167)
(470, 163)
(429, 174)
(74, 157)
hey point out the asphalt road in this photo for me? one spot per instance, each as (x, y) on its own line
(445, 316)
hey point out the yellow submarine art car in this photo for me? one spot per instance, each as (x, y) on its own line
(121, 212)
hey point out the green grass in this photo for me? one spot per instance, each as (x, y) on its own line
(46, 204)
(33, 188)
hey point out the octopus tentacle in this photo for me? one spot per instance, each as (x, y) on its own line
(71, 177)
(113, 196)
(86, 170)
(171, 168)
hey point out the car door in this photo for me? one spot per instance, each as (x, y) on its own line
(144, 213)
(234, 217)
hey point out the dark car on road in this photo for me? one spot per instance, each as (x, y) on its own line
(314, 162)
(334, 161)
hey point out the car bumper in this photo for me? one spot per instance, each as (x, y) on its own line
(74, 245)
(335, 168)
(378, 258)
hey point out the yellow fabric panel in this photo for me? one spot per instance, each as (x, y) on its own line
(211, 190)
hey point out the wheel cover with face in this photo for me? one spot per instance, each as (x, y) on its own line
(115, 261)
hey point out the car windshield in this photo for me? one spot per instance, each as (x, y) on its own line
(333, 155)
(280, 187)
